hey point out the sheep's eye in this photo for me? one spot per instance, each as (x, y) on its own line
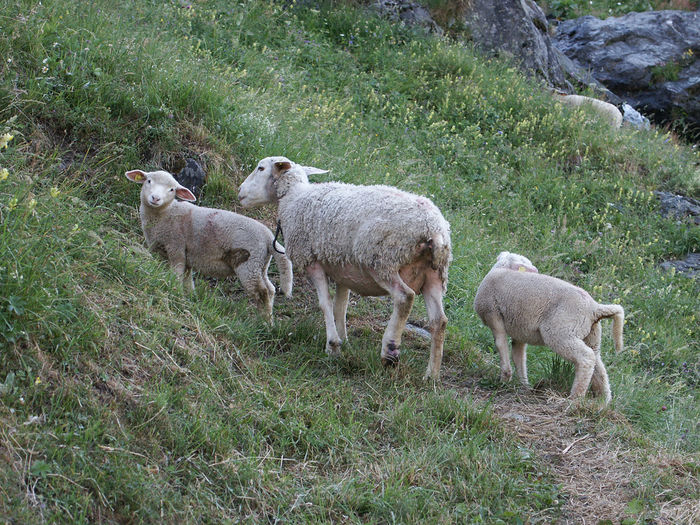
(260, 168)
(148, 181)
(172, 189)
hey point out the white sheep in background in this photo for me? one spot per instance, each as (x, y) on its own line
(605, 109)
(216, 243)
(374, 240)
(514, 300)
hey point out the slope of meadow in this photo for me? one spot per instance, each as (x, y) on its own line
(122, 400)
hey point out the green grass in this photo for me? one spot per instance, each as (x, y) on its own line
(124, 400)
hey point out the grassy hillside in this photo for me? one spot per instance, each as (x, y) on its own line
(122, 400)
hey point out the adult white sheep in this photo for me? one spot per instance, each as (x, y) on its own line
(515, 300)
(606, 110)
(216, 243)
(374, 240)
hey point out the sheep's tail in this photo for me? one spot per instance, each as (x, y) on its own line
(441, 255)
(615, 311)
(284, 266)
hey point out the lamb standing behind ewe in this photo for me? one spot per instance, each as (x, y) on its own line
(374, 240)
(513, 299)
(216, 243)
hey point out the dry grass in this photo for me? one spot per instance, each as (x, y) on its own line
(599, 468)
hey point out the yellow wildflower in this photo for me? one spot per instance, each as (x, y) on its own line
(7, 137)
(54, 191)
(12, 204)
(4, 174)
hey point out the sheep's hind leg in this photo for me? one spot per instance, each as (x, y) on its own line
(432, 294)
(500, 338)
(258, 287)
(519, 351)
(576, 351)
(402, 295)
(318, 277)
(340, 308)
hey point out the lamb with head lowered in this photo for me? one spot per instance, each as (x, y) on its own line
(373, 240)
(213, 242)
(515, 300)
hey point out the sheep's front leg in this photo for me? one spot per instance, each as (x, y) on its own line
(432, 294)
(340, 308)
(318, 277)
(402, 296)
(179, 266)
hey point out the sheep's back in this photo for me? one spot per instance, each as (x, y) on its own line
(379, 227)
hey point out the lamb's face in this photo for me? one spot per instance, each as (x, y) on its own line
(514, 261)
(159, 188)
(259, 186)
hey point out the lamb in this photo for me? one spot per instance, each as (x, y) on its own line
(216, 243)
(374, 240)
(515, 300)
(604, 109)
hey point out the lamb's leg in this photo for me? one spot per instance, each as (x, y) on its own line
(340, 308)
(576, 351)
(402, 296)
(432, 294)
(519, 350)
(318, 277)
(500, 338)
(600, 383)
(257, 287)
(188, 281)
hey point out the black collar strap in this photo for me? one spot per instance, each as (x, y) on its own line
(277, 233)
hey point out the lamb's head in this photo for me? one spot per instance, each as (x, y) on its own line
(271, 179)
(159, 188)
(513, 261)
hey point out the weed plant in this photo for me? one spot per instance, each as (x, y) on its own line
(124, 400)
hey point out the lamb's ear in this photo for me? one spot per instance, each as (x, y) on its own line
(186, 195)
(310, 170)
(524, 268)
(283, 165)
(137, 176)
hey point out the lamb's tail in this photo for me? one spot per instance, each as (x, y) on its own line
(284, 266)
(615, 311)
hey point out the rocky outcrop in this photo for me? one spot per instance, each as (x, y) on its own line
(517, 28)
(650, 59)
(410, 13)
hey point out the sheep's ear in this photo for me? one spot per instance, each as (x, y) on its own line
(185, 194)
(283, 165)
(310, 170)
(137, 176)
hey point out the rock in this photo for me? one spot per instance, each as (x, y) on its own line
(634, 118)
(649, 59)
(516, 28)
(192, 177)
(690, 266)
(410, 13)
(678, 207)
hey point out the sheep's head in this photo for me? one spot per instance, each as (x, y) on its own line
(159, 188)
(271, 179)
(513, 261)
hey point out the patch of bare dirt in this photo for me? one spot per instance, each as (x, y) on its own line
(599, 472)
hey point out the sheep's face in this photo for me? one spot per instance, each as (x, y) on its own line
(259, 187)
(159, 188)
(514, 261)
(264, 184)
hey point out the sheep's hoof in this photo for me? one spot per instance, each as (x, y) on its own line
(333, 348)
(391, 356)
(506, 375)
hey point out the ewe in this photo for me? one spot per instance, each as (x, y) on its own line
(374, 240)
(514, 300)
(216, 243)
